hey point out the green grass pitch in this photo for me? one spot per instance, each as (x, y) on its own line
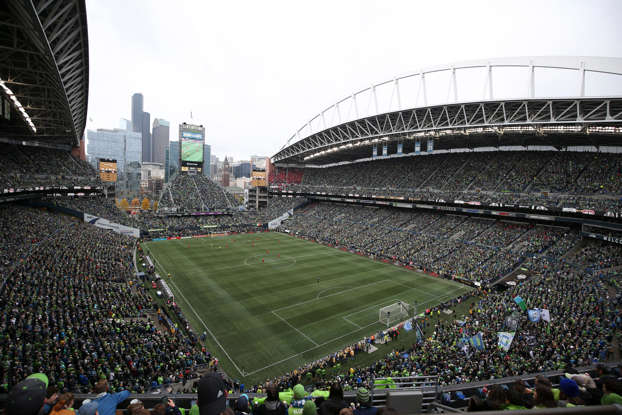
(259, 299)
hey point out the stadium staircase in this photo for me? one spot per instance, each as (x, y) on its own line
(199, 193)
(224, 193)
(527, 188)
(429, 177)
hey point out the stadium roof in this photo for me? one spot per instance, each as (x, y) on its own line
(45, 69)
(507, 101)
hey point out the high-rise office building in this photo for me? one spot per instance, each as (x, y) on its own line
(207, 158)
(159, 140)
(173, 159)
(137, 113)
(213, 165)
(242, 169)
(120, 145)
(141, 123)
(146, 133)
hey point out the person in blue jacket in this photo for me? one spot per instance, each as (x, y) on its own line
(107, 402)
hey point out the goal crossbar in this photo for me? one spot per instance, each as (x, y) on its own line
(395, 312)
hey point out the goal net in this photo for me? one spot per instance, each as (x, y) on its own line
(390, 314)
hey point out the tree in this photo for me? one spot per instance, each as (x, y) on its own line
(123, 204)
(135, 203)
(155, 205)
(145, 205)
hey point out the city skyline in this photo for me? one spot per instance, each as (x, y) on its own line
(154, 140)
(252, 82)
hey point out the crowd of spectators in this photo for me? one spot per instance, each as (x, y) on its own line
(289, 175)
(71, 308)
(24, 167)
(479, 250)
(554, 180)
(160, 224)
(572, 279)
(195, 193)
(574, 389)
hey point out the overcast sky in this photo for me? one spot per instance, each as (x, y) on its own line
(254, 71)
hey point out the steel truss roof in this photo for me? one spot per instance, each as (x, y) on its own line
(536, 116)
(45, 62)
(498, 92)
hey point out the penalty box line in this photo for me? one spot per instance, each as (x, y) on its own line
(290, 325)
(275, 312)
(329, 295)
(448, 295)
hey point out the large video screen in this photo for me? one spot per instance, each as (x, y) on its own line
(191, 146)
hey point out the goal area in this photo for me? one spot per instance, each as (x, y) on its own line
(393, 313)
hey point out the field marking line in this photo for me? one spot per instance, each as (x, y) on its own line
(242, 265)
(458, 287)
(430, 300)
(317, 297)
(308, 350)
(288, 323)
(449, 295)
(351, 322)
(201, 320)
(329, 295)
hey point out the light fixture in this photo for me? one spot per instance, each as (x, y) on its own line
(18, 105)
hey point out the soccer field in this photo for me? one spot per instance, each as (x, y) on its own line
(271, 302)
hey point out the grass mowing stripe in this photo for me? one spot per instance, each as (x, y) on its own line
(199, 318)
(264, 316)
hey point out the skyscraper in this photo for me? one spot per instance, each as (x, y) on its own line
(146, 132)
(137, 113)
(159, 139)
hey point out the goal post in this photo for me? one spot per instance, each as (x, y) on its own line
(395, 312)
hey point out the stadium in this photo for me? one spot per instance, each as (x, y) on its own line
(448, 240)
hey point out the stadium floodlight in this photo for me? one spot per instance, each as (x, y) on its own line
(604, 130)
(562, 128)
(18, 105)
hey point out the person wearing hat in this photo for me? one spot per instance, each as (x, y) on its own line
(212, 394)
(298, 403)
(272, 405)
(363, 400)
(242, 406)
(134, 406)
(28, 396)
(569, 393)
